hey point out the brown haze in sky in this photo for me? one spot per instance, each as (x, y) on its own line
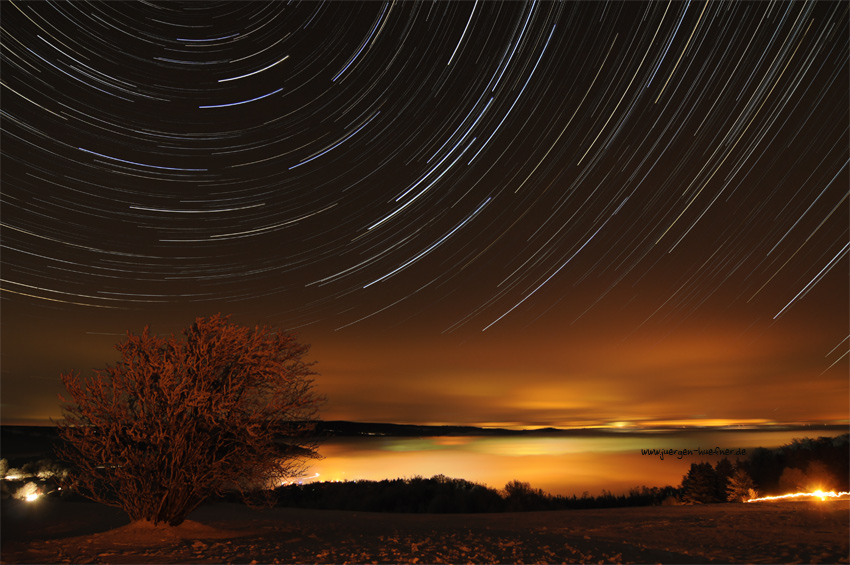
(519, 214)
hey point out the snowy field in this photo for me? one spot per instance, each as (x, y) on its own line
(56, 531)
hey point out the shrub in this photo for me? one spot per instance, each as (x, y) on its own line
(176, 420)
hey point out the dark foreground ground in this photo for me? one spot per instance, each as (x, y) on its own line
(57, 531)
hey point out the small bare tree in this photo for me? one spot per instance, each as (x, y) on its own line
(177, 420)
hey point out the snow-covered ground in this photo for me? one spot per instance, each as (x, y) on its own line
(55, 530)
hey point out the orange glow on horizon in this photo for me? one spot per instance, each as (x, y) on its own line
(638, 425)
(561, 464)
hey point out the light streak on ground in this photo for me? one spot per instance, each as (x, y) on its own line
(297, 480)
(802, 495)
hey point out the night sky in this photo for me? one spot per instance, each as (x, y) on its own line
(542, 214)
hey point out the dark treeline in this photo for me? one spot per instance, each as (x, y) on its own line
(803, 465)
(824, 460)
(441, 494)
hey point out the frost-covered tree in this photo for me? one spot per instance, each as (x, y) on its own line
(740, 486)
(816, 476)
(793, 480)
(226, 408)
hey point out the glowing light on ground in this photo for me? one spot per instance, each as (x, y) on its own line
(802, 495)
(29, 492)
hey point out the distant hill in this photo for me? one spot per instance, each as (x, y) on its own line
(33, 442)
(351, 429)
(37, 441)
(27, 442)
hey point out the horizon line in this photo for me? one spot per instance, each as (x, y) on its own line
(653, 426)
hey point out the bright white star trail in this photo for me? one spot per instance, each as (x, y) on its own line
(541, 213)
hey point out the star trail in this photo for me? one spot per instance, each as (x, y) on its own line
(512, 213)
